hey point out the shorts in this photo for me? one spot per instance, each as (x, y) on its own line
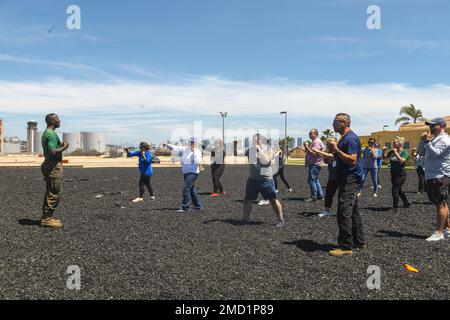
(437, 189)
(255, 187)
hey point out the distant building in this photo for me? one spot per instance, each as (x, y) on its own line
(292, 144)
(13, 145)
(299, 142)
(411, 132)
(247, 143)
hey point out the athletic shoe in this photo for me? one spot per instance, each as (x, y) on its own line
(281, 224)
(446, 233)
(263, 202)
(326, 213)
(379, 187)
(183, 210)
(289, 190)
(339, 252)
(214, 195)
(436, 236)
(375, 195)
(310, 200)
(152, 198)
(360, 247)
(407, 205)
(138, 200)
(276, 191)
(51, 223)
(359, 194)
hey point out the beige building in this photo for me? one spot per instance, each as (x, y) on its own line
(411, 133)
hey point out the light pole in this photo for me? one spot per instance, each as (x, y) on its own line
(223, 115)
(286, 147)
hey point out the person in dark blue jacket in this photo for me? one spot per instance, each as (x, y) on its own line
(145, 168)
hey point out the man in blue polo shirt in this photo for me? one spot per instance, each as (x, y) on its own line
(348, 173)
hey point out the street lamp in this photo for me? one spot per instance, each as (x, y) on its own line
(223, 115)
(285, 134)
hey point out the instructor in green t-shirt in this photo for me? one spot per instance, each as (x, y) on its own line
(52, 170)
(397, 160)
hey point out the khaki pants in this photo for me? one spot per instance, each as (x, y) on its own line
(53, 173)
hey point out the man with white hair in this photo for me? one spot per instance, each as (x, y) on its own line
(436, 150)
(191, 158)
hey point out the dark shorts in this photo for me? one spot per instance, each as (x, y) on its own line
(255, 187)
(437, 190)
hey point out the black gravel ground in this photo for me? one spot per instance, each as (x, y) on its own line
(148, 251)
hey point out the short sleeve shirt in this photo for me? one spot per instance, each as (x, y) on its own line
(50, 140)
(348, 144)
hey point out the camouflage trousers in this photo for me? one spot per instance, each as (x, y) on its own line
(53, 176)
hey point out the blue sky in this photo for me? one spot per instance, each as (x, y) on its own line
(143, 68)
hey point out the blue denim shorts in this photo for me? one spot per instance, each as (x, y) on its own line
(255, 187)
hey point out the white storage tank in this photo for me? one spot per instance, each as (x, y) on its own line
(74, 140)
(93, 141)
(38, 143)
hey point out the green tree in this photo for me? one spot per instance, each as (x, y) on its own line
(409, 114)
(327, 133)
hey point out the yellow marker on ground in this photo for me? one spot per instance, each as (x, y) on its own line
(411, 268)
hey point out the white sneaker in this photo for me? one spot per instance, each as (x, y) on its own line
(379, 187)
(446, 233)
(326, 213)
(375, 195)
(138, 200)
(276, 191)
(359, 194)
(281, 224)
(153, 198)
(436, 236)
(263, 202)
(289, 190)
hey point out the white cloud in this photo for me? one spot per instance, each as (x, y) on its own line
(121, 107)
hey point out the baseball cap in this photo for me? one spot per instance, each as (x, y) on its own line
(435, 121)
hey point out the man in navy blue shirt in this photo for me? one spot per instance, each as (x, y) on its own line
(348, 173)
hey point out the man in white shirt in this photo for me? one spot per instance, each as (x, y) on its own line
(191, 158)
(436, 151)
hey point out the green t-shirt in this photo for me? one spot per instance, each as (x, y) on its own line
(395, 164)
(50, 140)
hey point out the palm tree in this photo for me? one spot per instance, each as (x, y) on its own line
(410, 114)
(289, 139)
(326, 134)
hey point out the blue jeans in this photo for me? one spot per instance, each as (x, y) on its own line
(313, 181)
(374, 174)
(189, 192)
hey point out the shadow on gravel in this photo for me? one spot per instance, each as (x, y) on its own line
(311, 246)
(378, 209)
(234, 222)
(397, 234)
(309, 214)
(29, 222)
(422, 202)
(294, 199)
